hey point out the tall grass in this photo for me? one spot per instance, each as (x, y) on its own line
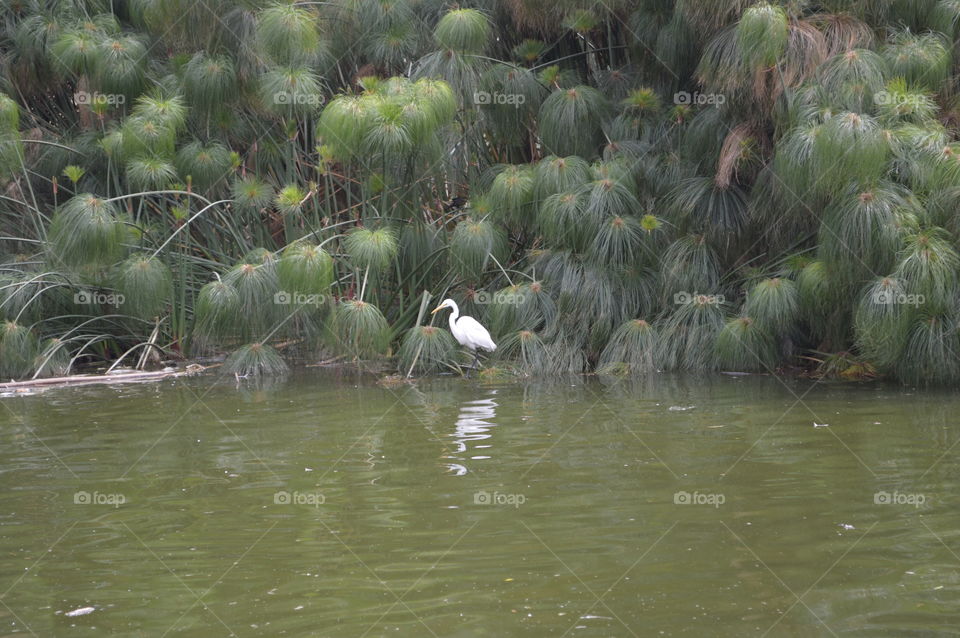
(690, 185)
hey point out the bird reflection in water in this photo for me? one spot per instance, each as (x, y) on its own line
(473, 425)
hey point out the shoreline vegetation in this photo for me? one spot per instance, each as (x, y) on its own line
(382, 376)
(616, 188)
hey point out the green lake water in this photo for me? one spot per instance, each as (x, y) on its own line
(325, 504)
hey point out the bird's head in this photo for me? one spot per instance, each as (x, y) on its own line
(447, 303)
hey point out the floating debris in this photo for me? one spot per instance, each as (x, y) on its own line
(82, 611)
(394, 380)
(820, 425)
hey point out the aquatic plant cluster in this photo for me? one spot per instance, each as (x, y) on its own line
(620, 186)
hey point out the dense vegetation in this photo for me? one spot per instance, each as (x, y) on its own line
(622, 186)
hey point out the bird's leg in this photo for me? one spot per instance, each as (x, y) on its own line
(474, 365)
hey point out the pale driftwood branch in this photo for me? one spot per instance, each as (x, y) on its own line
(85, 379)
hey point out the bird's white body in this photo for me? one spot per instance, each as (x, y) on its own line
(467, 330)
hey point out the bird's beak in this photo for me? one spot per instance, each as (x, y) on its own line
(436, 310)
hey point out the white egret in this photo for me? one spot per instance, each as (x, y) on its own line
(467, 330)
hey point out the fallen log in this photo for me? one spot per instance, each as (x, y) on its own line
(86, 379)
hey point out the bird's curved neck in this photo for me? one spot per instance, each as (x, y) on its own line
(454, 312)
